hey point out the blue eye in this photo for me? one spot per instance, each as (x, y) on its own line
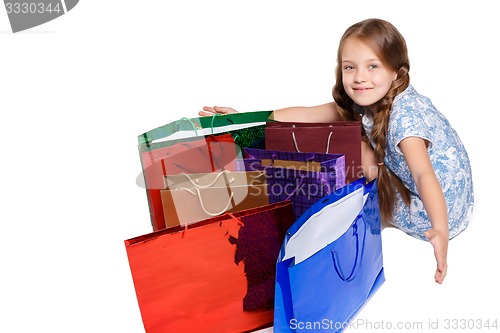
(348, 68)
(373, 66)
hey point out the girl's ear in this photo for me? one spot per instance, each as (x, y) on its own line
(395, 76)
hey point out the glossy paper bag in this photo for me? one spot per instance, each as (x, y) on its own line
(217, 275)
(302, 178)
(330, 263)
(210, 154)
(232, 132)
(190, 198)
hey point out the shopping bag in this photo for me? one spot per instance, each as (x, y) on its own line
(302, 178)
(236, 130)
(330, 263)
(340, 137)
(189, 198)
(186, 128)
(208, 154)
(218, 275)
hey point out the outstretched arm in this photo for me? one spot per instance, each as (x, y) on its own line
(431, 193)
(319, 113)
(323, 113)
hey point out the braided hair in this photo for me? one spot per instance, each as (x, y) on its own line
(390, 47)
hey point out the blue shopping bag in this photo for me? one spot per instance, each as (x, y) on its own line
(330, 263)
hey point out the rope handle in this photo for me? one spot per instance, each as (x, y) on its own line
(302, 177)
(213, 120)
(240, 222)
(198, 194)
(191, 122)
(297, 147)
(357, 259)
(195, 184)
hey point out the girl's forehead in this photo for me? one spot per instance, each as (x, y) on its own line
(354, 47)
(356, 43)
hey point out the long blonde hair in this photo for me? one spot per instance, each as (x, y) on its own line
(390, 47)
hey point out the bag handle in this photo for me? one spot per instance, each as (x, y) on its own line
(213, 120)
(297, 147)
(175, 126)
(302, 177)
(196, 185)
(357, 259)
(197, 193)
(192, 124)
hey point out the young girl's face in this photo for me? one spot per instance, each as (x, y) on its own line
(365, 78)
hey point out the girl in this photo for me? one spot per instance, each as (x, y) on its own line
(422, 168)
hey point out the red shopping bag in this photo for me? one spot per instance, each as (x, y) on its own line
(340, 137)
(217, 275)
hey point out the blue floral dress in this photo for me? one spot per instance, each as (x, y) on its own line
(414, 115)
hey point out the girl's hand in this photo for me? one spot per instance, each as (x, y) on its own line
(210, 111)
(439, 241)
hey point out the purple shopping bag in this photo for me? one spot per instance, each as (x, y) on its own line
(302, 178)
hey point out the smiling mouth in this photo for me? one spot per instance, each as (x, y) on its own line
(361, 89)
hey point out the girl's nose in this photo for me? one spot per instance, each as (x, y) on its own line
(360, 76)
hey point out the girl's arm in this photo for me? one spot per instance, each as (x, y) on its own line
(323, 113)
(415, 152)
(319, 113)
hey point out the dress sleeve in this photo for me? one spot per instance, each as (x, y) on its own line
(411, 119)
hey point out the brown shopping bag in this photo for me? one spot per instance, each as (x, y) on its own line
(190, 198)
(340, 137)
(206, 154)
(218, 275)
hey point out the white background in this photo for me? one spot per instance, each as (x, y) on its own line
(76, 92)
